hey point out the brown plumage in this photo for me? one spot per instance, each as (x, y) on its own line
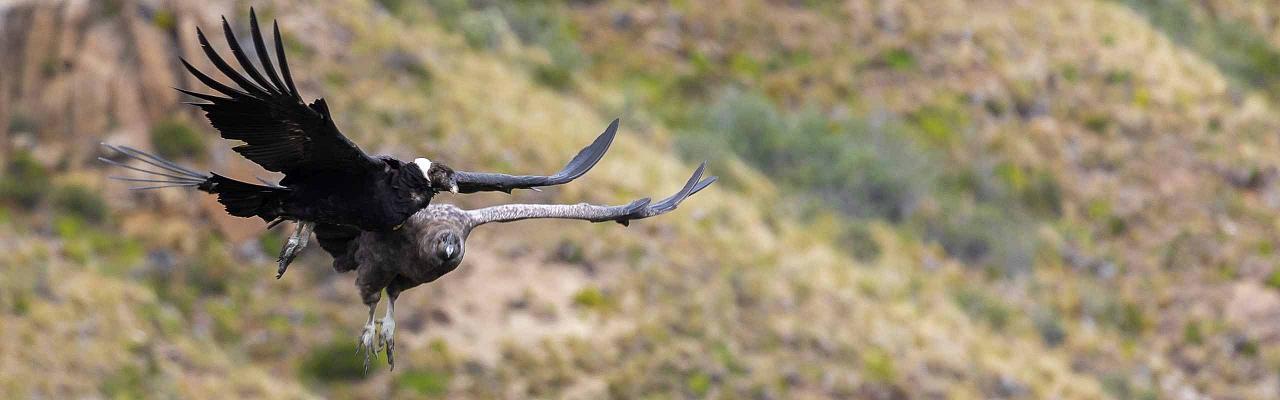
(432, 243)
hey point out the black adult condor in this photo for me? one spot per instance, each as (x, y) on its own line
(329, 185)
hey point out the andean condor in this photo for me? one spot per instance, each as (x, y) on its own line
(329, 184)
(433, 241)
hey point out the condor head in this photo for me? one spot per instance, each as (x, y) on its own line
(435, 176)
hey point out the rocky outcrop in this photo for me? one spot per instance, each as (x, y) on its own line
(77, 72)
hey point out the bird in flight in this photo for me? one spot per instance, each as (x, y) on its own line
(330, 185)
(433, 241)
(372, 214)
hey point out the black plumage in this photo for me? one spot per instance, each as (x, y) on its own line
(329, 184)
(433, 242)
(372, 214)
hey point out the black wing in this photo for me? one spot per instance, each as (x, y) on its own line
(471, 182)
(623, 214)
(279, 131)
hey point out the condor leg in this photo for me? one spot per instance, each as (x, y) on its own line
(297, 241)
(369, 338)
(389, 326)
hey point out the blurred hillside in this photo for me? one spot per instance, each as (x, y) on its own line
(941, 199)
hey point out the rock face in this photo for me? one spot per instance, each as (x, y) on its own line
(78, 72)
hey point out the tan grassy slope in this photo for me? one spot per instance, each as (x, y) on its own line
(1159, 265)
(711, 300)
(728, 297)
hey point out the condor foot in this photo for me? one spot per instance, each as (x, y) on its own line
(296, 243)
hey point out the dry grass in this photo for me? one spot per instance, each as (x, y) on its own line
(1150, 280)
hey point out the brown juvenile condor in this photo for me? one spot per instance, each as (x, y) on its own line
(329, 184)
(433, 241)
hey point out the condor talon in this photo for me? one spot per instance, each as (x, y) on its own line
(368, 339)
(297, 241)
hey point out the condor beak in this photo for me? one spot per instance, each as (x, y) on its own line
(448, 251)
(453, 188)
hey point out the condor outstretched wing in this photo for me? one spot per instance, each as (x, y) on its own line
(279, 131)
(623, 214)
(471, 182)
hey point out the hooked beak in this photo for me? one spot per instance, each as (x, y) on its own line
(448, 251)
(453, 188)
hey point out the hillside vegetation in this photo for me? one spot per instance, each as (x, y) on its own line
(942, 199)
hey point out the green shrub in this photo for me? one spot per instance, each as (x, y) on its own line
(395, 7)
(1245, 346)
(592, 298)
(1273, 279)
(983, 307)
(1127, 317)
(23, 123)
(25, 182)
(699, 383)
(878, 365)
(110, 8)
(424, 382)
(1192, 333)
(210, 270)
(21, 302)
(448, 12)
(569, 252)
(993, 235)
(1240, 51)
(174, 138)
(862, 171)
(1117, 385)
(553, 76)
(898, 59)
(129, 382)
(1043, 195)
(480, 29)
(164, 19)
(941, 123)
(82, 202)
(1049, 325)
(336, 362)
(857, 238)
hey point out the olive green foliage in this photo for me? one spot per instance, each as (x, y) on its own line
(81, 201)
(1239, 50)
(899, 59)
(126, 383)
(864, 171)
(164, 19)
(394, 6)
(857, 238)
(424, 382)
(592, 299)
(984, 307)
(877, 172)
(25, 182)
(175, 138)
(540, 24)
(336, 362)
(22, 123)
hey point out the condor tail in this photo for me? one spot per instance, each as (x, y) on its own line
(241, 199)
